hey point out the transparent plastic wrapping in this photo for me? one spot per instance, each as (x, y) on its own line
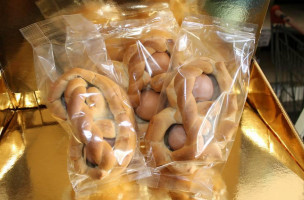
(91, 9)
(96, 11)
(78, 86)
(140, 50)
(189, 140)
(99, 11)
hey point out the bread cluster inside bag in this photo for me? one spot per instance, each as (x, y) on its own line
(143, 98)
(141, 50)
(205, 92)
(79, 86)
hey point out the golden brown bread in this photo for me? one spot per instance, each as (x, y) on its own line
(136, 62)
(146, 63)
(99, 111)
(183, 109)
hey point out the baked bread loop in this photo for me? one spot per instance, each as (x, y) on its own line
(189, 117)
(147, 62)
(102, 121)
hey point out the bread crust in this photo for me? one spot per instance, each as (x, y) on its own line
(183, 109)
(136, 58)
(98, 109)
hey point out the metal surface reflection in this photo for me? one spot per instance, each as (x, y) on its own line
(13, 152)
(11, 147)
(6, 105)
(264, 101)
(264, 164)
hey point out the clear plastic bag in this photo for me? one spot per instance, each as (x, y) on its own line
(81, 89)
(96, 11)
(204, 93)
(99, 11)
(140, 31)
(141, 49)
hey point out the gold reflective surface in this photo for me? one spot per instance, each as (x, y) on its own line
(6, 105)
(33, 162)
(11, 148)
(267, 105)
(258, 167)
(5, 95)
(26, 100)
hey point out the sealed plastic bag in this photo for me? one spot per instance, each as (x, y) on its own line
(99, 12)
(78, 86)
(95, 11)
(205, 93)
(141, 49)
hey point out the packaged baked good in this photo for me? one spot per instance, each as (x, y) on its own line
(78, 86)
(204, 92)
(139, 41)
(141, 49)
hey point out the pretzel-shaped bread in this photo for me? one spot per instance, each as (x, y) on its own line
(101, 120)
(147, 62)
(179, 132)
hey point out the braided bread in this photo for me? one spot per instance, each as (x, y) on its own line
(101, 120)
(147, 62)
(181, 132)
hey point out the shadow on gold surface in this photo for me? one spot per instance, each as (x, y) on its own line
(5, 118)
(5, 101)
(6, 105)
(19, 72)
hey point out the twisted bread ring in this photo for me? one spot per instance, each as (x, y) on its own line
(147, 62)
(185, 110)
(88, 98)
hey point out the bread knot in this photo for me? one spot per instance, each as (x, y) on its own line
(101, 120)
